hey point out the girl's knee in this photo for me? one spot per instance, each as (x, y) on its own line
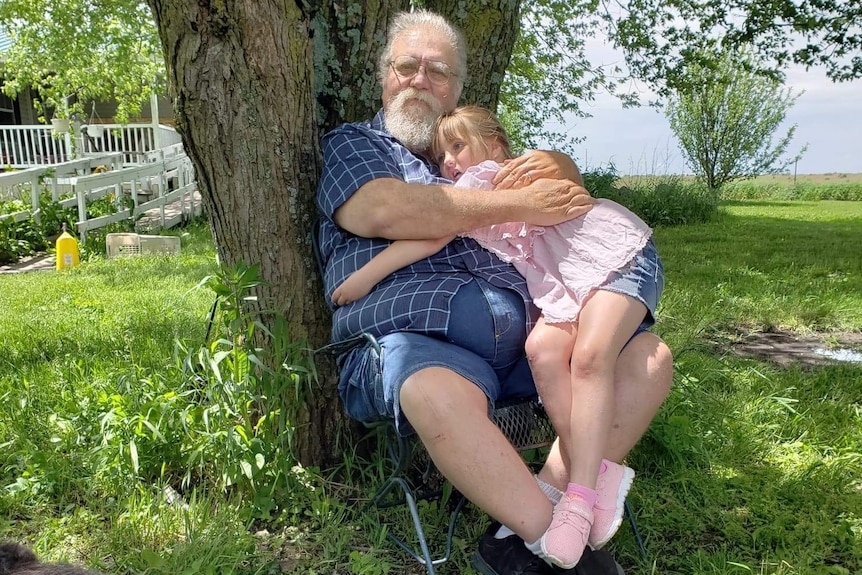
(591, 360)
(548, 348)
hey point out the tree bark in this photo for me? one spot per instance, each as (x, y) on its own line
(349, 35)
(243, 89)
(254, 84)
(491, 28)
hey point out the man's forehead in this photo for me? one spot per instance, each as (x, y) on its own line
(428, 44)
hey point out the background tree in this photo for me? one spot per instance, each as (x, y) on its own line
(88, 51)
(726, 121)
(660, 39)
(550, 75)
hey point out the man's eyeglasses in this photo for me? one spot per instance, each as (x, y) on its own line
(405, 67)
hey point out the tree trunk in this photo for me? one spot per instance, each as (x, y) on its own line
(254, 84)
(242, 83)
(491, 28)
(349, 35)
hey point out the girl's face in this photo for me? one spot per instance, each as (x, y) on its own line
(458, 154)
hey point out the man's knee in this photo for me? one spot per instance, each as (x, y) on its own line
(646, 358)
(441, 394)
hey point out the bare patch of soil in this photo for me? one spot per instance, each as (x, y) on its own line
(786, 348)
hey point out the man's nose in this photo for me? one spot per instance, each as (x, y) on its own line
(420, 80)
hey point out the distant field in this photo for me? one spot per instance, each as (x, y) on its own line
(809, 178)
(771, 179)
(810, 187)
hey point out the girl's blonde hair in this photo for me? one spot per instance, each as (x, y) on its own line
(473, 124)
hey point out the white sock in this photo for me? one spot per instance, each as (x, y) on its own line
(536, 548)
(552, 493)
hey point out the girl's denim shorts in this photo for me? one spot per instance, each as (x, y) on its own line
(643, 280)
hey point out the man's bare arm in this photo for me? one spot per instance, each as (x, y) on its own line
(389, 208)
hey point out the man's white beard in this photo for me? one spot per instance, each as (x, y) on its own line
(412, 123)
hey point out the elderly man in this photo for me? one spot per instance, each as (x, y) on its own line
(452, 327)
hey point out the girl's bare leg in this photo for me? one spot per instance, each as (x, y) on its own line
(607, 322)
(549, 350)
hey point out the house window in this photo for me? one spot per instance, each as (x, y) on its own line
(7, 110)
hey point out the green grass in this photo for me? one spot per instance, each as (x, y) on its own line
(748, 468)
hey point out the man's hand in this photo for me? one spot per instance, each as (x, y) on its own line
(555, 201)
(533, 165)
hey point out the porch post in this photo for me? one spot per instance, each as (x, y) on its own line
(154, 116)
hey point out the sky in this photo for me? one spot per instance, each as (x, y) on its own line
(828, 116)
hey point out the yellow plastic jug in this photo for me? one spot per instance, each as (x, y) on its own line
(67, 250)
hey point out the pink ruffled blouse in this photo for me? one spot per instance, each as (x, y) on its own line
(562, 264)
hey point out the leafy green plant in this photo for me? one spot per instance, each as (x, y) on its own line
(20, 239)
(658, 200)
(220, 417)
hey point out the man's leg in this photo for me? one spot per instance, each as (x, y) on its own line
(450, 415)
(643, 378)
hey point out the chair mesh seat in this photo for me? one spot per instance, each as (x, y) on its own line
(525, 424)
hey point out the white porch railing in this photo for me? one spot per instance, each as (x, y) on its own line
(27, 184)
(165, 178)
(29, 146)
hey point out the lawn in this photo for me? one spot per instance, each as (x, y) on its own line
(748, 468)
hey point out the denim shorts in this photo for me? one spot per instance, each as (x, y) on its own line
(483, 347)
(643, 280)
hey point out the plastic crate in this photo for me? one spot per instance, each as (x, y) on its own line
(118, 245)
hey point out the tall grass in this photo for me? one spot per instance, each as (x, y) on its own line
(748, 467)
(803, 190)
(659, 200)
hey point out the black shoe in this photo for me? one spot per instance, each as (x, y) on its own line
(509, 556)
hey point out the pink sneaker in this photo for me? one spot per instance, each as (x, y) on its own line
(564, 541)
(611, 489)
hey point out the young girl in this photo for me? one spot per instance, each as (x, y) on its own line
(596, 279)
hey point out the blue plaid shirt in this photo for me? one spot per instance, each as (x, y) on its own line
(414, 298)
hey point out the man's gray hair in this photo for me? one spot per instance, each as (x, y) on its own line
(428, 20)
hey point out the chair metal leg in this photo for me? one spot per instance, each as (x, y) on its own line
(423, 556)
(631, 517)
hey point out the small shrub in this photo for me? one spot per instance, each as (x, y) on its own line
(659, 200)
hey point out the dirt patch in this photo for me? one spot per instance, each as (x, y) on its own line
(786, 348)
